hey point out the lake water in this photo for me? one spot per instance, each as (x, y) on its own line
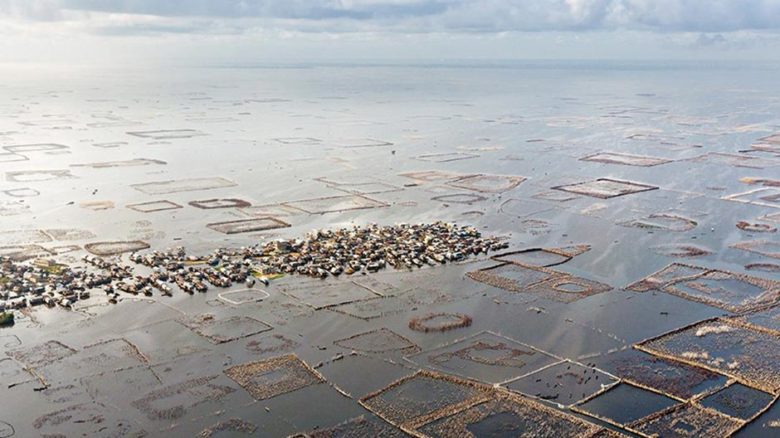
(618, 170)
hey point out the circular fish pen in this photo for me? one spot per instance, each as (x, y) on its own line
(439, 322)
(755, 227)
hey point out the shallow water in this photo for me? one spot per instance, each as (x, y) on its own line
(340, 145)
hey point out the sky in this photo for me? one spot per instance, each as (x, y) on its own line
(237, 32)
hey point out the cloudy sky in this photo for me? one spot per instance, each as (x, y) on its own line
(267, 31)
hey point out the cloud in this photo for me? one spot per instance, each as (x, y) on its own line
(288, 9)
(409, 16)
(705, 39)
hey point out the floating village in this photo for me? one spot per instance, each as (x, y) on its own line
(385, 252)
(323, 253)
